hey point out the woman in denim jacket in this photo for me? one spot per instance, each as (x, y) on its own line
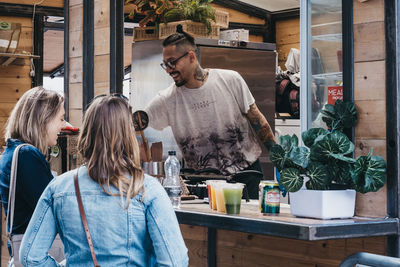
(130, 217)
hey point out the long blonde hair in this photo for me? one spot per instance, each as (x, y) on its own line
(108, 144)
(30, 116)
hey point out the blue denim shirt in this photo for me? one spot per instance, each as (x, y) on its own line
(145, 234)
(33, 175)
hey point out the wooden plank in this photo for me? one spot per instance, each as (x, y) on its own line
(15, 71)
(75, 2)
(241, 249)
(256, 38)
(372, 10)
(288, 31)
(75, 117)
(372, 204)
(75, 70)
(369, 41)
(101, 13)
(128, 50)
(25, 40)
(196, 242)
(362, 147)
(369, 80)
(25, 22)
(237, 16)
(371, 119)
(6, 108)
(21, 80)
(75, 96)
(76, 18)
(102, 41)
(102, 68)
(49, 3)
(11, 92)
(101, 88)
(75, 44)
(54, 41)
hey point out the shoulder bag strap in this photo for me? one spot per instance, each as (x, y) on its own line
(83, 216)
(11, 190)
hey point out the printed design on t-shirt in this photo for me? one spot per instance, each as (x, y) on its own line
(216, 151)
(201, 105)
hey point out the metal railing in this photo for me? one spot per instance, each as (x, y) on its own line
(370, 259)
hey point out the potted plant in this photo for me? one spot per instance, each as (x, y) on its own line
(326, 166)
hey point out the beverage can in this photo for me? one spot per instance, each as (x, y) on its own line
(260, 192)
(270, 198)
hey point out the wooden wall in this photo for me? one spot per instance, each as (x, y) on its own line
(287, 37)
(370, 94)
(240, 17)
(242, 249)
(15, 80)
(101, 55)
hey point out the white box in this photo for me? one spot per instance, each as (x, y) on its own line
(235, 35)
(323, 204)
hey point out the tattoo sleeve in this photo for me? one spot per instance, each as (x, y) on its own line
(261, 126)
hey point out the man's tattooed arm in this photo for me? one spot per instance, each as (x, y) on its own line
(261, 126)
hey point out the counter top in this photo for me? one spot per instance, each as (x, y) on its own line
(251, 220)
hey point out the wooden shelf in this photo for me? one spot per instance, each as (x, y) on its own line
(12, 59)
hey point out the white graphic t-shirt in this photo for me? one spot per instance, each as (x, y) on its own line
(209, 123)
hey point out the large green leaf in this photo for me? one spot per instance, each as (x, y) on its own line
(340, 116)
(323, 149)
(340, 173)
(288, 142)
(300, 156)
(369, 173)
(319, 176)
(344, 143)
(291, 179)
(310, 136)
(277, 156)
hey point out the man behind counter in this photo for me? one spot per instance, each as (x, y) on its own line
(211, 113)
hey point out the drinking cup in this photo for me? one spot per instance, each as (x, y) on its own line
(213, 195)
(210, 199)
(232, 197)
(219, 196)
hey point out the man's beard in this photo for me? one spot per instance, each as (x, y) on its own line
(180, 83)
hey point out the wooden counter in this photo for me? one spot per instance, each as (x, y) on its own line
(251, 220)
(212, 237)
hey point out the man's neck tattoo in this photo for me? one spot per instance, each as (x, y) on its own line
(200, 74)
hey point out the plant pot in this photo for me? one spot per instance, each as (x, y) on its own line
(323, 204)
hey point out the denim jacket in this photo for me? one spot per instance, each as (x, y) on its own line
(145, 234)
(33, 175)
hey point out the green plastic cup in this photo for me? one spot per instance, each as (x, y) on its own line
(233, 197)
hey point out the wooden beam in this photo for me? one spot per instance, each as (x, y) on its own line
(18, 10)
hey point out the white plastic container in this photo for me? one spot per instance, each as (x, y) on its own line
(235, 35)
(323, 204)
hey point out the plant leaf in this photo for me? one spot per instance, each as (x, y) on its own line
(319, 176)
(300, 156)
(291, 179)
(309, 136)
(369, 173)
(277, 156)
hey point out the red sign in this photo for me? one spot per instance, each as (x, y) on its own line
(334, 93)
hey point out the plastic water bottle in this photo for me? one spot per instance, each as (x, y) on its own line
(172, 182)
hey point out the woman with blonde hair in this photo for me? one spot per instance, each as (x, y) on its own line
(36, 120)
(129, 216)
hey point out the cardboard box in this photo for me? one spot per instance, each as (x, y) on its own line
(9, 36)
(235, 35)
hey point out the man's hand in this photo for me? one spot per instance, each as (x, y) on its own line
(261, 126)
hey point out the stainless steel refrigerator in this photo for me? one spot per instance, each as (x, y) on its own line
(256, 62)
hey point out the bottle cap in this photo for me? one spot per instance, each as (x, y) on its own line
(172, 153)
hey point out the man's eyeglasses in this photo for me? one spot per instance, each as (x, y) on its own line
(172, 64)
